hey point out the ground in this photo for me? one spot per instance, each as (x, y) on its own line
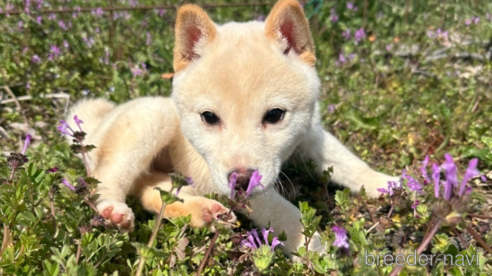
(400, 80)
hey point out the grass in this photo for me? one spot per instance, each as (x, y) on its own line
(417, 83)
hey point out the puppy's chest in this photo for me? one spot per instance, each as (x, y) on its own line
(163, 162)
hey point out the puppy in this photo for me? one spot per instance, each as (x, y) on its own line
(244, 98)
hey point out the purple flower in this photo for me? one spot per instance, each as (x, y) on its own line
(54, 52)
(254, 182)
(346, 34)
(232, 183)
(76, 14)
(476, 20)
(260, 17)
(89, 41)
(359, 35)
(149, 39)
(351, 6)
(388, 47)
(275, 242)
(39, 18)
(81, 182)
(265, 233)
(62, 25)
(423, 169)
(20, 25)
(389, 190)
(483, 178)
(341, 58)
(98, 12)
(441, 33)
(351, 56)
(137, 71)
(334, 17)
(450, 170)
(160, 12)
(52, 16)
(27, 5)
(64, 128)
(64, 181)
(250, 242)
(253, 241)
(190, 181)
(27, 142)
(78, 121)
(53, 170)
(40, 3)
(436, 170)
(331, 108)
(35, 59)
(414, 185)
(415, 204)
(470, 172)
(340, 237)
(85, 92)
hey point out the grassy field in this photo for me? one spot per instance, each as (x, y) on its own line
(401, 80)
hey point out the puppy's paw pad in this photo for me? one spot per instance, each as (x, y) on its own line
(117, 214)
(214, 210)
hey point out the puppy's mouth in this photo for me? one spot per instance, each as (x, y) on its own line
(245, 183)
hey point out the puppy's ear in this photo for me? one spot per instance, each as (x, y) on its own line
(193, 30)
(287, 25)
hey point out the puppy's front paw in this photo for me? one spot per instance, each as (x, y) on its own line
(117, 214)
(202, 210)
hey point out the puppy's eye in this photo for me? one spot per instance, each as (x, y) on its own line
(274, 115)
(210, 118)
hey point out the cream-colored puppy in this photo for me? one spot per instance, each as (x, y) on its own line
(244, 98)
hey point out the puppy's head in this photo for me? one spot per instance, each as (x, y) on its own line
(245, 92)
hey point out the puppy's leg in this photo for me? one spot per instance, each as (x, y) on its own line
(348, 169)
(269, 207)
(135, 133)
(201, 209)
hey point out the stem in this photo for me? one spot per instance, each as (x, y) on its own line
(479, 216)
(88, 202)
(209, 250)
(427, 239)
(79, 251)
(372, 227)
(478, 239)
(391, 210)
(11, 175)
(460, 237)
(52, 207)
(84, 158)
(157, 225)
(6, 239)
(204, 261)
(6, 229)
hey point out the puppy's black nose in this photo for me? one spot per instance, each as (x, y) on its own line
(243, 175)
